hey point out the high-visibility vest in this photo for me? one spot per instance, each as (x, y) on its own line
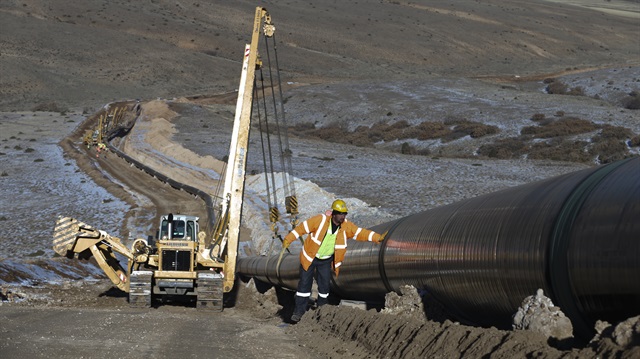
(316, 227)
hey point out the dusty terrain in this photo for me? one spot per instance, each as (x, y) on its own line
(393, 61)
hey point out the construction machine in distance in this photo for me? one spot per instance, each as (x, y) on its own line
(183, 260)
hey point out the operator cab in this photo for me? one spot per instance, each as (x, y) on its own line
(179, 227)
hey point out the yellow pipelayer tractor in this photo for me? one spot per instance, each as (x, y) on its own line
(177, 264)
(183, 260)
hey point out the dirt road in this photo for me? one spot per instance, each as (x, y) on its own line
(92, 320)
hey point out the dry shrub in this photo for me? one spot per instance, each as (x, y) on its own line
(507, 148)
(399, 125)
(613, 133)
(452, 136)
(610, 144)
(476, 129)
(360, 137)
(541, 119)
(576, 91)
(328, 133)
(334, 132)
(396, 131)
(400, 130)
(467, 128)
(557, 88)
(635, 141)
(560, 150)
(537, 117)
(632, 102)
(407, 149)
(377, 132)
(609, 150)
(50, 107)
(565, 126)
(428, 131)
(302, 128)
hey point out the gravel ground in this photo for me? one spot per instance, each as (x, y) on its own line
(481, 61)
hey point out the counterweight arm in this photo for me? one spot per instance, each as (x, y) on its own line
(71, 236)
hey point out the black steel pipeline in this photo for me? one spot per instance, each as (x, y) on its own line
(576, 236)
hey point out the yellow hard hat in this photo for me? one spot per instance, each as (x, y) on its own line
(339, 205)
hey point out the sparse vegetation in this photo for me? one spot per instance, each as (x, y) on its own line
(365, 136)
(614, 133)
(556, 87)
(632, 102)
(51, 107)
(473, 129)
(565, 126)
(560, 150)
(609, 151)
(559, 88)
(550, 138)
(576, 91)
(610, 144)
(508, 148)
(538, 117)
(407, 149)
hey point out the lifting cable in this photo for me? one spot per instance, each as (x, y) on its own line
(217, 200)
(267, 162)
(283, 150)
(291, 202)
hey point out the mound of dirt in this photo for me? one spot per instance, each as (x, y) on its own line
(394, 334)
(537, 313)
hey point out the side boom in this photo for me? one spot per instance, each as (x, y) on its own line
(236, 167)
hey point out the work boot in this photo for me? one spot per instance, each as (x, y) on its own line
(301, 305)
(321, 301)
(296, 317)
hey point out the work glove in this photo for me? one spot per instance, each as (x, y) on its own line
(383, 236)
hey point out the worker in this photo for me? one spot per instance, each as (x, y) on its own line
(323, 251)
